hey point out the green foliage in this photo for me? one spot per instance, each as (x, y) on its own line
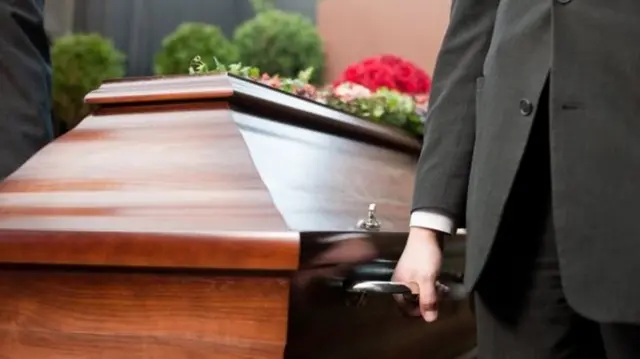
(280, 43)
(199, 67)
(262, 5)
(384, 106)
(81, 62)
(189, 39)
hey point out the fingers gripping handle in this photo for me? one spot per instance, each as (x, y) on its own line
(447, 287)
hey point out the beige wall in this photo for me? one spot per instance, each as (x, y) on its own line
(354, 29)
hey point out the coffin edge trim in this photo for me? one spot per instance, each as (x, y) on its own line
(271, 251)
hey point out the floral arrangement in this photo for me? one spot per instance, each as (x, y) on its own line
(387, 71)
(299, 85)
(383, 105)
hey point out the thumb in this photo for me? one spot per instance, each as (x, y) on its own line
(428, 299)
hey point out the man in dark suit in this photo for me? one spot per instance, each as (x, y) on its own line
(533, 142)
(25, 83)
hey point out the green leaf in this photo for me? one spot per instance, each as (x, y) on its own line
(235, 69)
(305, 75)
(254, 72)
(220, 67)
(378, 111)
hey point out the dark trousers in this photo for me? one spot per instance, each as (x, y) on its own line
(521, 310)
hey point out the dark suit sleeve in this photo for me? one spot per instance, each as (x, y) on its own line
(443, 169)
(25, 83)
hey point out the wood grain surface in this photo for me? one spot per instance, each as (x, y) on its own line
(184, 176)
(83, 314)
(104, 223)
(160, 89)
(324, 182)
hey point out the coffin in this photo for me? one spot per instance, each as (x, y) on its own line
(213, 217)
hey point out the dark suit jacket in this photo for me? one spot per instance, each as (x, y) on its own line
(493, 64)
(25, 83)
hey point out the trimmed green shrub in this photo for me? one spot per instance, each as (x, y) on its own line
(187, 41)
(281, 43)
(81, 62)
(262, 5)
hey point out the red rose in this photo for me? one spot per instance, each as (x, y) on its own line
(404, 76)
(390, 60)
(402, 84)
(404, 71)
(425, 84)
(411, 88)
(384, 78)
(387, 71)
(372, 61)
(425, 81)
(354, 73)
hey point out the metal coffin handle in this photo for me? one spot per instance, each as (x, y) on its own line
(448, 288)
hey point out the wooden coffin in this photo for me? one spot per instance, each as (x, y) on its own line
(213, 217)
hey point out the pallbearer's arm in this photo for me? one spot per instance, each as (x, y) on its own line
(443, 169)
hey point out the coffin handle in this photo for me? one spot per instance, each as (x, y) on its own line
(448, 286)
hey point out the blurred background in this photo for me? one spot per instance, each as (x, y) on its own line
(97, 39)
(351, 29)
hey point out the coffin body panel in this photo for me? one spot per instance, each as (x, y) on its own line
(80, 313)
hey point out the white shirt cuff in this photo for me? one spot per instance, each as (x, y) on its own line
(431, 220)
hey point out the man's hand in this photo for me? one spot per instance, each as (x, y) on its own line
(420, 263)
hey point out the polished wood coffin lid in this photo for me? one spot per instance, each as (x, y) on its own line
(246, 93)
(162, 175)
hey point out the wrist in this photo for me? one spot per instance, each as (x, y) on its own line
(418, 234)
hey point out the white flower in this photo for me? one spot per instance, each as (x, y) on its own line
(351, 90)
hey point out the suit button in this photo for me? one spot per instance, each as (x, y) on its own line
(526, 107)
(563, 2)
